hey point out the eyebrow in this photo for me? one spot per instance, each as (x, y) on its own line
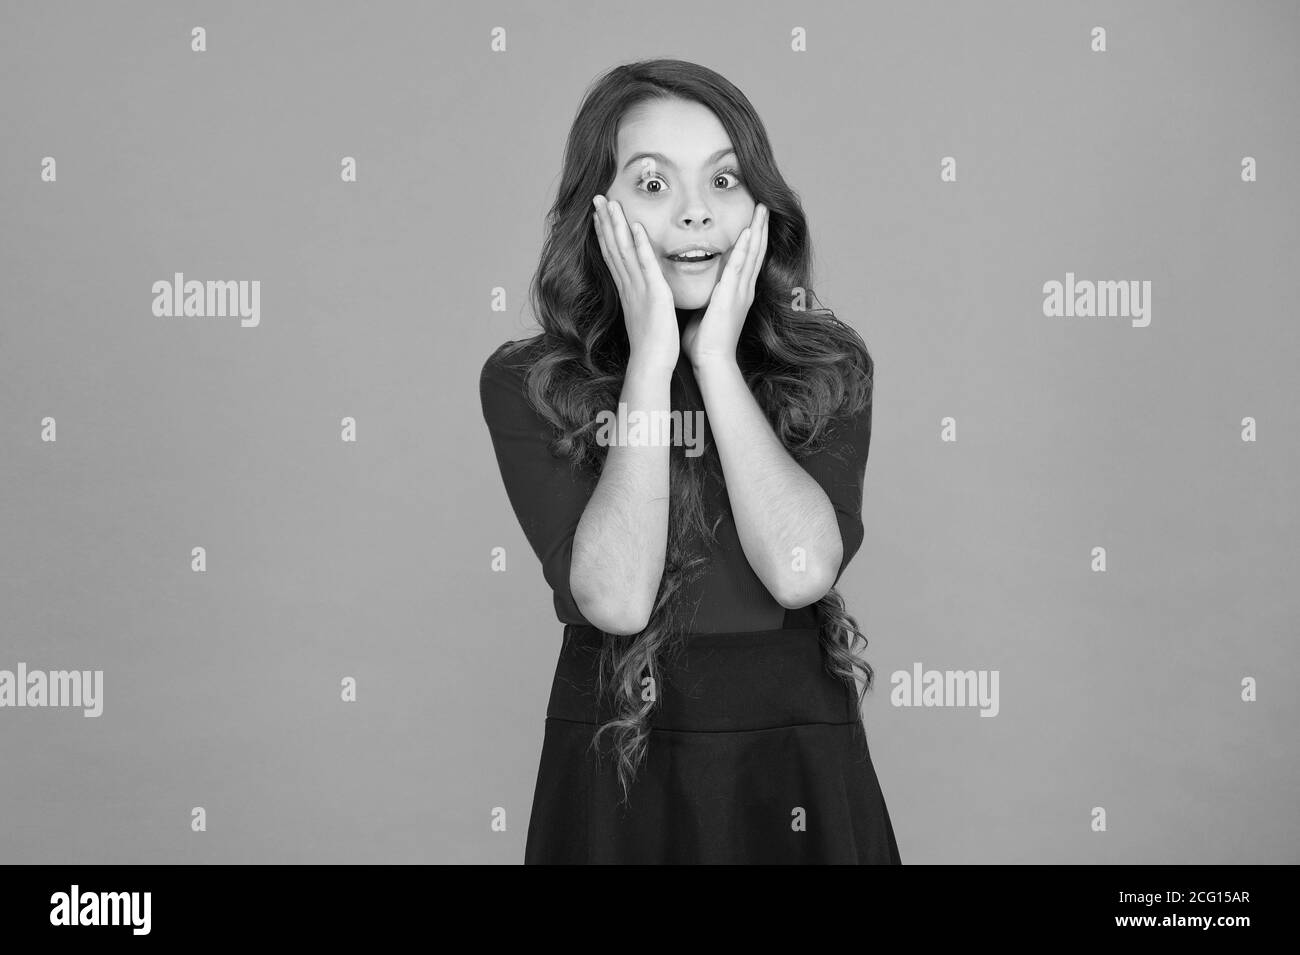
(665, 161)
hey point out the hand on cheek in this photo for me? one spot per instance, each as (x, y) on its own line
(716, 335)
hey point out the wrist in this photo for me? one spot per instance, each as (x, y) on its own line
(713, 362)
(651, 364)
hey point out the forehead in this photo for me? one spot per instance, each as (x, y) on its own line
(685, 132)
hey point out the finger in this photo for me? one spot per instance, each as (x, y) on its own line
(724, 292)
(746, 274)
(602, 236)
(645, 255)
(623, 240)
(755, 254)
(604, 252)
(739, 256)
(612, 257)
(607, 231)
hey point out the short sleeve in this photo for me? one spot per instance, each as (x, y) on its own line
(839, 467)
(547, 495)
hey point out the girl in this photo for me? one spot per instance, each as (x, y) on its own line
(704, 707)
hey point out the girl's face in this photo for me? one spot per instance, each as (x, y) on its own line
(676, 174)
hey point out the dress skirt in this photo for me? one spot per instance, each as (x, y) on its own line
(757, 755)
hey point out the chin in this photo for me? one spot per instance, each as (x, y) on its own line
(691, 298)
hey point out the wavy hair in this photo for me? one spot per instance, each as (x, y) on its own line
(804, 367)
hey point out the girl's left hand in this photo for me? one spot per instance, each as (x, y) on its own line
(717, 334)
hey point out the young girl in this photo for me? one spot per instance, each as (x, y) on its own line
(704, 707)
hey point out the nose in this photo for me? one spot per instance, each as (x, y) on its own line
(695, 210)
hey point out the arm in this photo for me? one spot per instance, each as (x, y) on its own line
(618, 550)
(779, 503)
(590, 573)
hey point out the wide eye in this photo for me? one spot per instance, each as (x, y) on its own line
(722, 177)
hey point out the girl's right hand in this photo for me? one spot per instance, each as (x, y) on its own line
(648, 311)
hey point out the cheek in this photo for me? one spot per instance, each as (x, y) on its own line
(651, 218)
(744, 218)
(633, 207)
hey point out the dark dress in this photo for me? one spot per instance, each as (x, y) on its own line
(756, 753)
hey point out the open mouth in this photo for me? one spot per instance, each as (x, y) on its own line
(693, 257)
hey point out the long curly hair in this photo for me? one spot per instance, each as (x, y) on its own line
(804, 367)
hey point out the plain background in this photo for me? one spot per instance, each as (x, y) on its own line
(372, 560)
